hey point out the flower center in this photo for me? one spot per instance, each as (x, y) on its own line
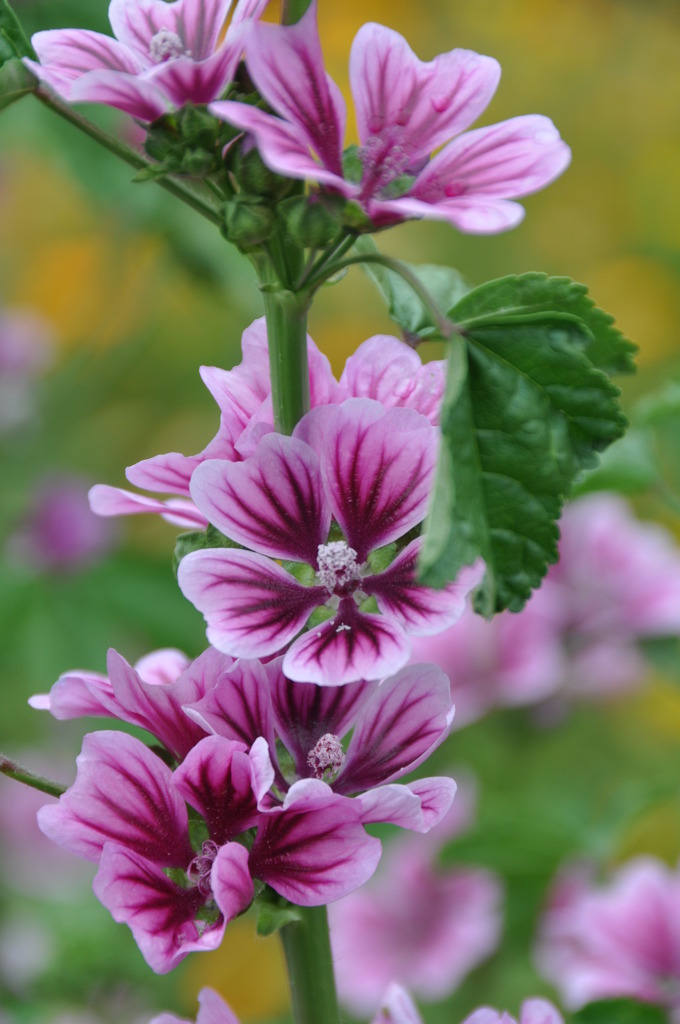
(165, 45)
(337, 565)
(384, 161)
(327, 757)
(200, 867)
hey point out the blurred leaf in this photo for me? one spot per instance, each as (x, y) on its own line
(664, 654)
(629, 467)
(660, 407)
(525, 412)
(13, 40)
(620, 1011)
(15, 81)
(445, 285)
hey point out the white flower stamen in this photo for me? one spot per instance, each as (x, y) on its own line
(337, 565)
(327, 757)
(165, 45)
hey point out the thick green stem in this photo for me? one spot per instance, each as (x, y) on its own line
(307, 949)
(286, 315)
(180, 189)
(15, 771)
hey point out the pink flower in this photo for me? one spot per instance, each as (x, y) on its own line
(26, 343)
(513, 659)
(163, 55)
(617, 581)
(621, 939)
(151, 695)
(176, 888)
(59, 532)
(394, 727)
(533, 1011)
(426, 926)
(406, 109)
(364, 469)
(382, 368)
(212, 1010)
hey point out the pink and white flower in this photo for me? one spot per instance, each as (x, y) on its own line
(176, 888)
(151, 695)
(621, 939)
(406, 110)
(382, 368)
(364, 469)
(163, 56)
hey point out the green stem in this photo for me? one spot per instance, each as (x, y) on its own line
(315, 267)
(307, 949)
(446, 326)
(180, 189)
(15, 771)
(286, 316)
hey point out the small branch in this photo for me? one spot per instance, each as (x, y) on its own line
(180, 189)
(446, 327)
(316, 266)
(15, 771)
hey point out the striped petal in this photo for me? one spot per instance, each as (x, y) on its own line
(253, 607)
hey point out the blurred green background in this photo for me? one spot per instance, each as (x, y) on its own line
(138, 293)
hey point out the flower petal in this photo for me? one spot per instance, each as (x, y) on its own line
(407, 717)
(215, 778)
(416, 105)
(284, 147)
(475, 215)
(391, 372)
(396, 1007)
(313, 849)
(239, 707)
(114, 501)
(188, 81)
(305, 712)
(66, 54)
(280, 54)
(273, 502)
(253, 607)
(377, 466)
(160, 914)
(121, 793)
(76, 695)
(132, 94)
(421, 610)
(503, 161)
(230, 880)
(196, 22)
(158, 707)
(348, 647)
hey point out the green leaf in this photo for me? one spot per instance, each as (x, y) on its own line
(274, 912)
(620, 1011)
(15, 81)
(445, 285)
(525, 412)
(536, 293)
(13, 40)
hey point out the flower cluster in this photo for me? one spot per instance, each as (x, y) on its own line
(167, 55)
(255, 783)
(340, 503)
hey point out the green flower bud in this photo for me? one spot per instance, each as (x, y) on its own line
(313, 221)
(246, 224)
(252, 175)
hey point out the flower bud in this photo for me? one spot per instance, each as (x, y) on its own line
(313, 221)
(246, 224)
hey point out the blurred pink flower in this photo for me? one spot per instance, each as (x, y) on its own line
(424, 925)
(406, 109)
(26, 342)
(163, 55)
(619, 939)
(616, 583)
(60, 533)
